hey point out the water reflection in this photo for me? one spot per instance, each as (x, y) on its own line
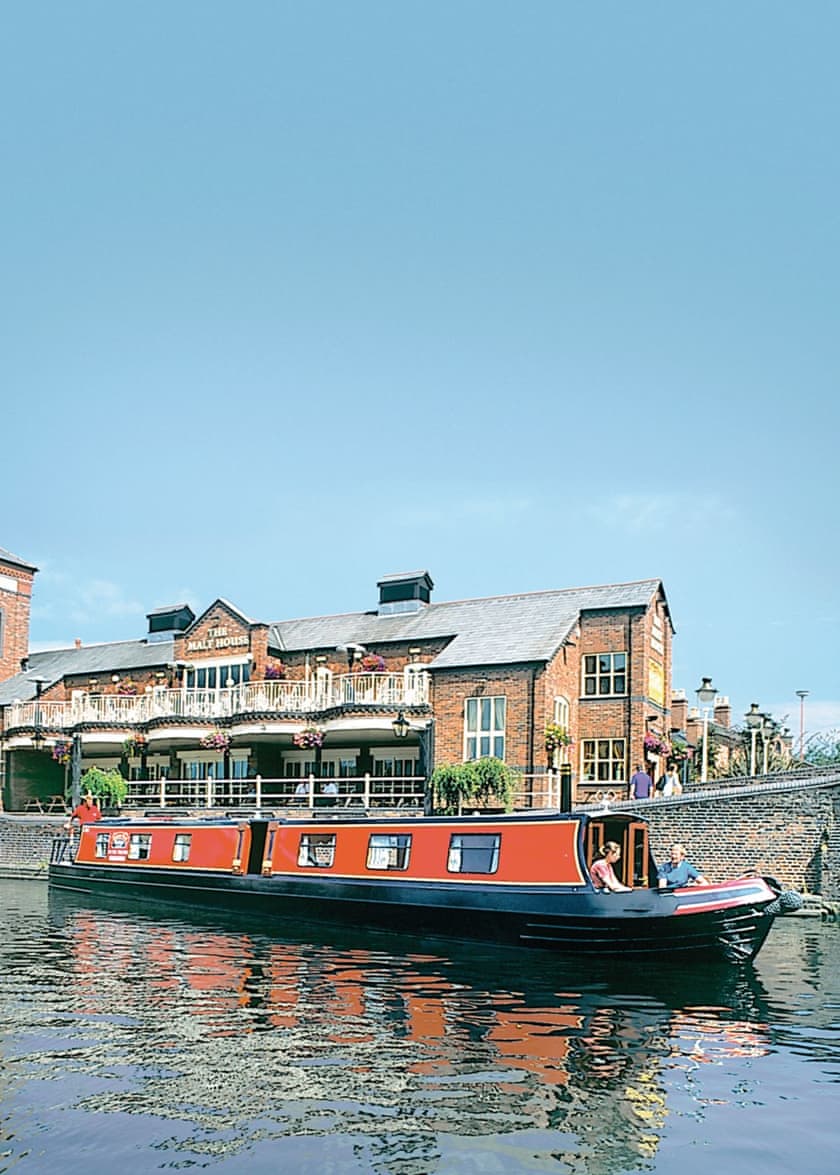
(372, 1052)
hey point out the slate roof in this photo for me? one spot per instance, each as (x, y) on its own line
(8, 557)
(498, 630)
(89, 660)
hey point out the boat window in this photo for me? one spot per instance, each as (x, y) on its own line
(388, 852)
(317, 850)
(181, 848)
(102, 839)
(139, 846)
(474, 853)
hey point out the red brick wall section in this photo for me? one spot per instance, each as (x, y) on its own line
(792, 833)
(453, 687)
(15, 607)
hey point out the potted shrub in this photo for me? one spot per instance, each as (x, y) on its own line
(456, 784)
(109, 787)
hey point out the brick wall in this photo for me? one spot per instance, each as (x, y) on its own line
(25, 844)
(15, 607)
(790, 831)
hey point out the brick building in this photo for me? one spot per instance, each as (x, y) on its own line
(204, 708)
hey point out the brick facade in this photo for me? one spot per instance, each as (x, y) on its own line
(475, 659)
(15, 602)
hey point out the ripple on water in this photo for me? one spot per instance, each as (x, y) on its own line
(144, 1037)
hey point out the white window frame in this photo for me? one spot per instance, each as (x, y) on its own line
(560, 717)
(218, 690)
(491, 734)
(330, 761)
(216, 760)
(617, 765)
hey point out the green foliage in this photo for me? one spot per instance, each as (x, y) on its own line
(823, 750)
(109, 787)
(481, 780)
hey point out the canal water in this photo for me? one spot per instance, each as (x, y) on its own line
(141, 1039)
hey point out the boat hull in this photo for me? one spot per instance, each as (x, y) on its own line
(726, 921)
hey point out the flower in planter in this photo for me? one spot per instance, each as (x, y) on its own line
(62, 751)
(216, 740)
(309, 738)
(274, 670)
(372, 663)
(556, 736)
(127, 688)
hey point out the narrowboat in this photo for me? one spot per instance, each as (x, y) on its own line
(518, 879)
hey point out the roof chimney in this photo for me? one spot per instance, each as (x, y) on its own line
(77, 643)
(723, 712)
(409, 591)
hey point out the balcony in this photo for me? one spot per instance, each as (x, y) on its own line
(282, 698)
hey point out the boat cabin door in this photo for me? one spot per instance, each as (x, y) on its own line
(256, 853)
(637, 854)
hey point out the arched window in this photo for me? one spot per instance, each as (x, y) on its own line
(560, 717)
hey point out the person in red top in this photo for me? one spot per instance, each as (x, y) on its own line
(87, 812)
(603, 874)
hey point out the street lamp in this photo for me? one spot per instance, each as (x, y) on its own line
(753, 720)
(802, 694)
(706, 694)
(424, 734)
(38, 734)
(768, 730)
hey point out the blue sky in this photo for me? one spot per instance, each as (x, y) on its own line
(530, 295)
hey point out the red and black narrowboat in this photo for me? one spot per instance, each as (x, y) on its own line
(515, 879)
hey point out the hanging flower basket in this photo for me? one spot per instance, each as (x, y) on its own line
(275, 671)
(62, 750)
(127, 688)
(216, 740)
(136, 745)
(372, 663)
(556, 737)
(654, 745)
(309, 738)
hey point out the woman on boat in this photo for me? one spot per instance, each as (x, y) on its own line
(603, 874)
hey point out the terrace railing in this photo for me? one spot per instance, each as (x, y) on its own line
(265, 697)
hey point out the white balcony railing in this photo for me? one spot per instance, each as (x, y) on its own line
(364, 791)
(267, 697)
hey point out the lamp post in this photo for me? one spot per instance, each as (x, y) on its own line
(768, 730)
(706, 694)
(753, 720)
(38, 734)
(802, 694)
(425, 741)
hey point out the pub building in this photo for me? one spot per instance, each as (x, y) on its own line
(222, 711)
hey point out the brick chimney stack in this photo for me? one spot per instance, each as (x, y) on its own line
(723, 712)
(679, 710)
